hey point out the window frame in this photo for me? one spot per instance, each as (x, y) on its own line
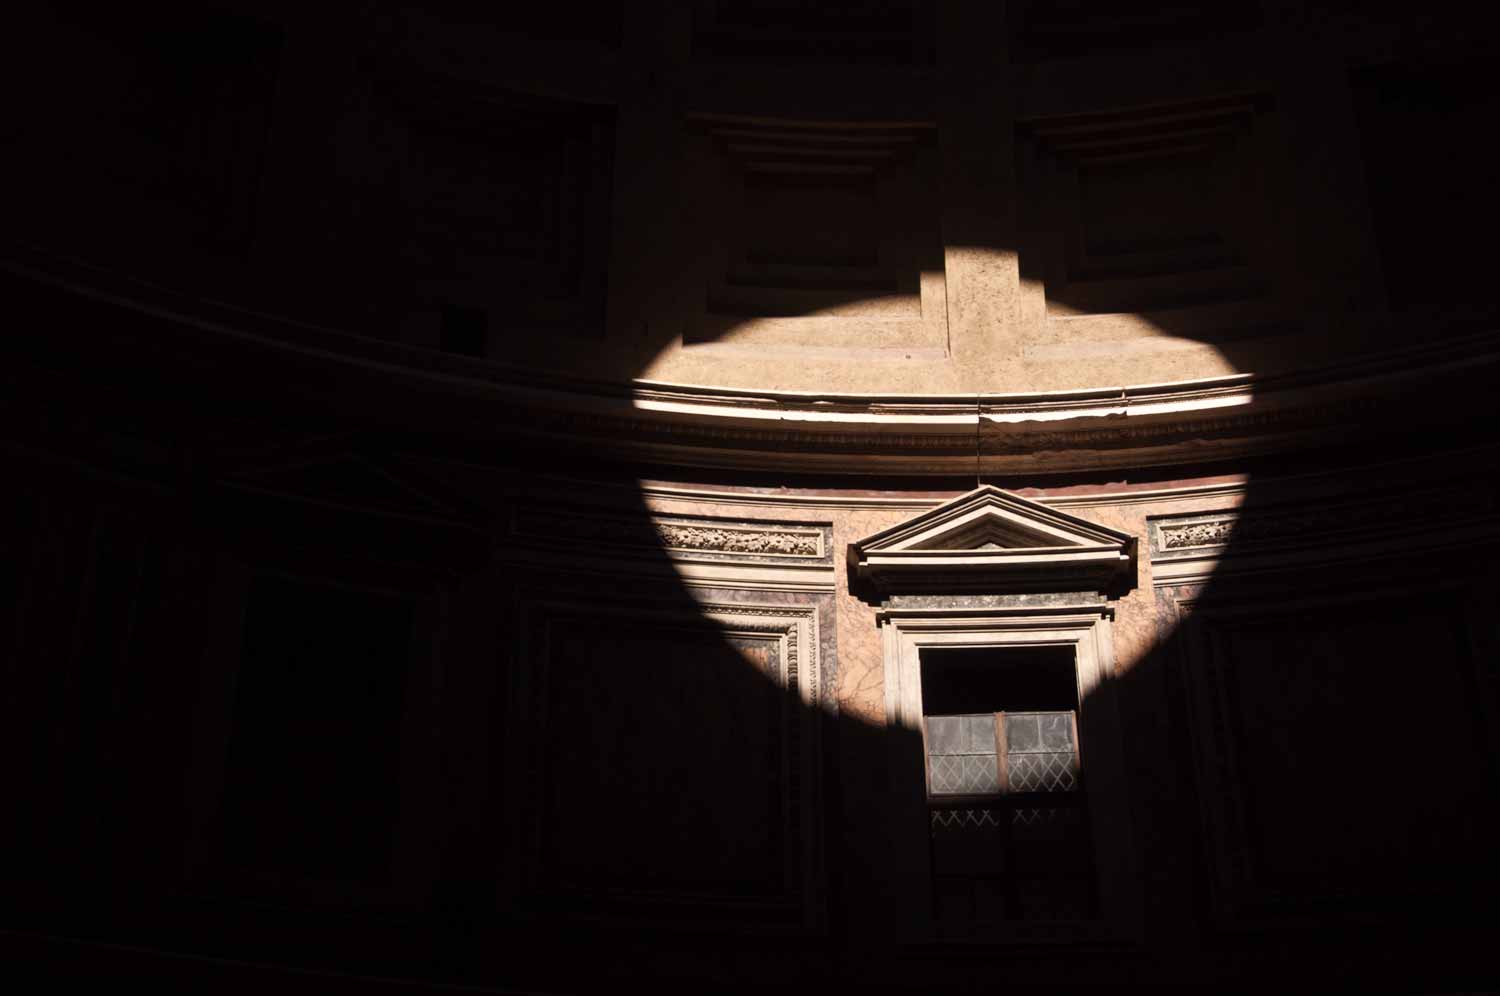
(1086, 628)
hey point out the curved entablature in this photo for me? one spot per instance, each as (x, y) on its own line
(817, 432)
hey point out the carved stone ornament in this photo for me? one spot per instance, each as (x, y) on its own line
(1191, 548)
(686, 536)
(993, 541)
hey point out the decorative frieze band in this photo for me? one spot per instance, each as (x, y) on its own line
(1212, 533)
(700, 537)
(740, 539)
(1188, 549)
(1313, 522)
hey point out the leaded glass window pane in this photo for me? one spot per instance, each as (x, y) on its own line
(1029, 732)
(1057, 730)
(961, 734)
(944, 734)
(1042, 755)
(961, 755)
(964, 774)
(1021, 732)
(1039, 772)
(979, 734)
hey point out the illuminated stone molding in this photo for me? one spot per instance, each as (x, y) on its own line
(675, 536)
(1215, 532)
(989, 541)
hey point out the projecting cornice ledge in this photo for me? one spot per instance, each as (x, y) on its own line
(1434, 385)
(991, 541)
(1437, 383)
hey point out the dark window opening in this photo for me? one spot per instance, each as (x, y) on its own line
(1008, 819)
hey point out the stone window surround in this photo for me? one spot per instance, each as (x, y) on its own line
(1086, 627)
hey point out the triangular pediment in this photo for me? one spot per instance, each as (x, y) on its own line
(990, 539)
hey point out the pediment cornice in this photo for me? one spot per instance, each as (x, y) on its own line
(991, 540)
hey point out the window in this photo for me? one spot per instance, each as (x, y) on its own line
(1011, 822)
(1008, 831)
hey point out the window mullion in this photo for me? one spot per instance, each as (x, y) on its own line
(1002, 764)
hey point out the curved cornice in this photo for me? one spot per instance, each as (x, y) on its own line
(1130, 426)
(695, 426)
